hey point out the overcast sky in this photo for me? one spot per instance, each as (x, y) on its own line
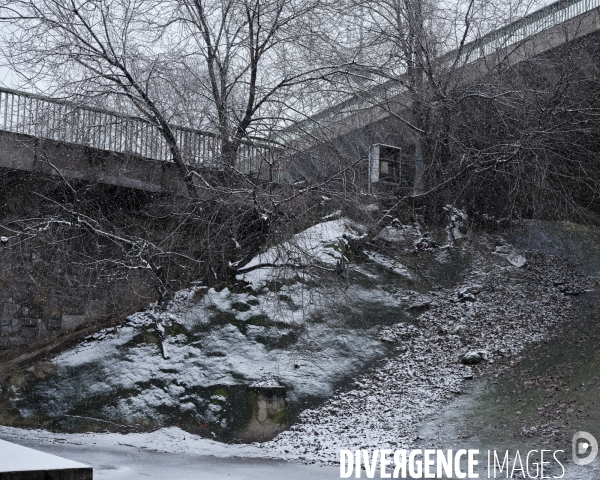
(9, 79)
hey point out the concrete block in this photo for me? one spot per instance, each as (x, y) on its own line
(22, 463)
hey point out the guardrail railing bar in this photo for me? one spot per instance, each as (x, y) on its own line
(73, 123)
(547, 17)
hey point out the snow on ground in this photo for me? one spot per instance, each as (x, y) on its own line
(113, 460)
(317, 244)
(122, 374)
(496, 310)
(168, 440)
(217, 340)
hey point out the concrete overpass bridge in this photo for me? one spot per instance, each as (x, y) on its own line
(367, 118)
(61, 138)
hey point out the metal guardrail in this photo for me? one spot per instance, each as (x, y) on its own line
(509, 35)
(528, 26)
(69, 122)
(100, 129)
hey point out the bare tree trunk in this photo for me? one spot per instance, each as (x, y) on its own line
(419, 166)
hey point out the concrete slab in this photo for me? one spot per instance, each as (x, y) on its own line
(22, 463)
(123, 462)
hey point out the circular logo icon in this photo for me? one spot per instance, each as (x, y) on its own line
(585, 444)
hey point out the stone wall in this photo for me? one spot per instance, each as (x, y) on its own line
(53, 281)
(30, 312)
(24, 320)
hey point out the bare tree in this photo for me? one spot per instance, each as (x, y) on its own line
(426, 64)
(238, 52)
(229, 66)
(93, 50)
(419, 49)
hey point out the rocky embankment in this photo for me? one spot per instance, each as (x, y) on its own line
(475, 329)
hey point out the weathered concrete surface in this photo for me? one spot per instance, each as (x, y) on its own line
(31, 312)
(23, 463)
(337, 126)
(72, 161)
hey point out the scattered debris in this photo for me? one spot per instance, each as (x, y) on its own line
(516, 260)
(391, 234)
(398, 332)
(423, 375)
(422, 302)
(371, 208)
(472, 358)
(503, 249)
(456, 234)
(457, 226)
(383, 407)
(426, 245)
